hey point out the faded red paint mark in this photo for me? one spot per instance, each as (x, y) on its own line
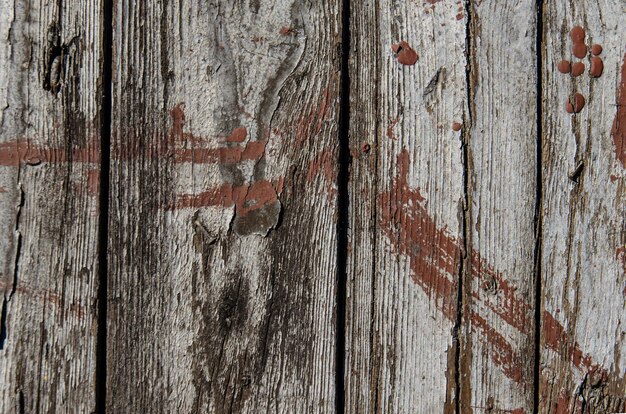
(620, 255)
(460, 16)
(93, 182)
(323, 164)
(311, 124)
(76, 309)
(393, 124)
(15, 153)
(288, 31)
(404, 53)
(3, 190)
(435, 256)
(456, 126)
(618, 131)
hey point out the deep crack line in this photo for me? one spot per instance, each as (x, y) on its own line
(343, 205)
(103, 221)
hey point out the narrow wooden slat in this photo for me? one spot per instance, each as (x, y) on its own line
(223, 207)
(406, 197)
(497, 370)
(584, 229)
(50, 74)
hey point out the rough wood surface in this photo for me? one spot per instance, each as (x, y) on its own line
(49, 181)
(406, 197)
(223, 207)
(496, 362)
(584, 216)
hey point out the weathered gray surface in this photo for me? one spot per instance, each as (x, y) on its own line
(406, 207)
(223, 253)
(584, 229)
(498, 350)
(49, 178)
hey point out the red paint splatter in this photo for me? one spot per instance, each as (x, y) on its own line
(618, 131)
(238, 135)
(404, 53)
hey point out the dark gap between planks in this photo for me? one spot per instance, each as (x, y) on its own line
(343, 203)
(103, 221)
(538, 202)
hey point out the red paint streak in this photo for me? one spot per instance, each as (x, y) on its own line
(435, 256)
(618, 131)
(245, 198)
(316, 117)
(15, 153)
(390, 133)
(57, 300)
(323, 164)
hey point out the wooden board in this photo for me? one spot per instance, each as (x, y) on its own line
(223, 207)
(498, 349)
(584, 229)
(50, 67)
(406, 198)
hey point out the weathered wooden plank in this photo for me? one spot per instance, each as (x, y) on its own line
(497, 370)
(406, 197)
(50, 70)
(223, 207)
(584, 229)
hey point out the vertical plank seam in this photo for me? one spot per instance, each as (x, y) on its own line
(343, 176)
(538, 204)
(103, 219)
(465, 262)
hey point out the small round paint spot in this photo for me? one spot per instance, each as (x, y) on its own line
(578, 69)
(365, 147)
(577, 103)
(596, 50)
(456, 126)
(404, 53)
(579, 50)
(597, 67)
(564, 66)
(577, 34)
(569, 108)
(460, 16)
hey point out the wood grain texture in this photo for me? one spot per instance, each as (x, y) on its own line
(406, 198)
(50, 72)
(584, 205)
(223, 207)
(497, 370)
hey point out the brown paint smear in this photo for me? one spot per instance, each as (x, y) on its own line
(618, 131)
(434, 257)
(404, 53)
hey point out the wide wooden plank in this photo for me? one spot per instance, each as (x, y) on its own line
(406, 205)
(584, 222)
(223, 207)
(497, 370)
(50, 74)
